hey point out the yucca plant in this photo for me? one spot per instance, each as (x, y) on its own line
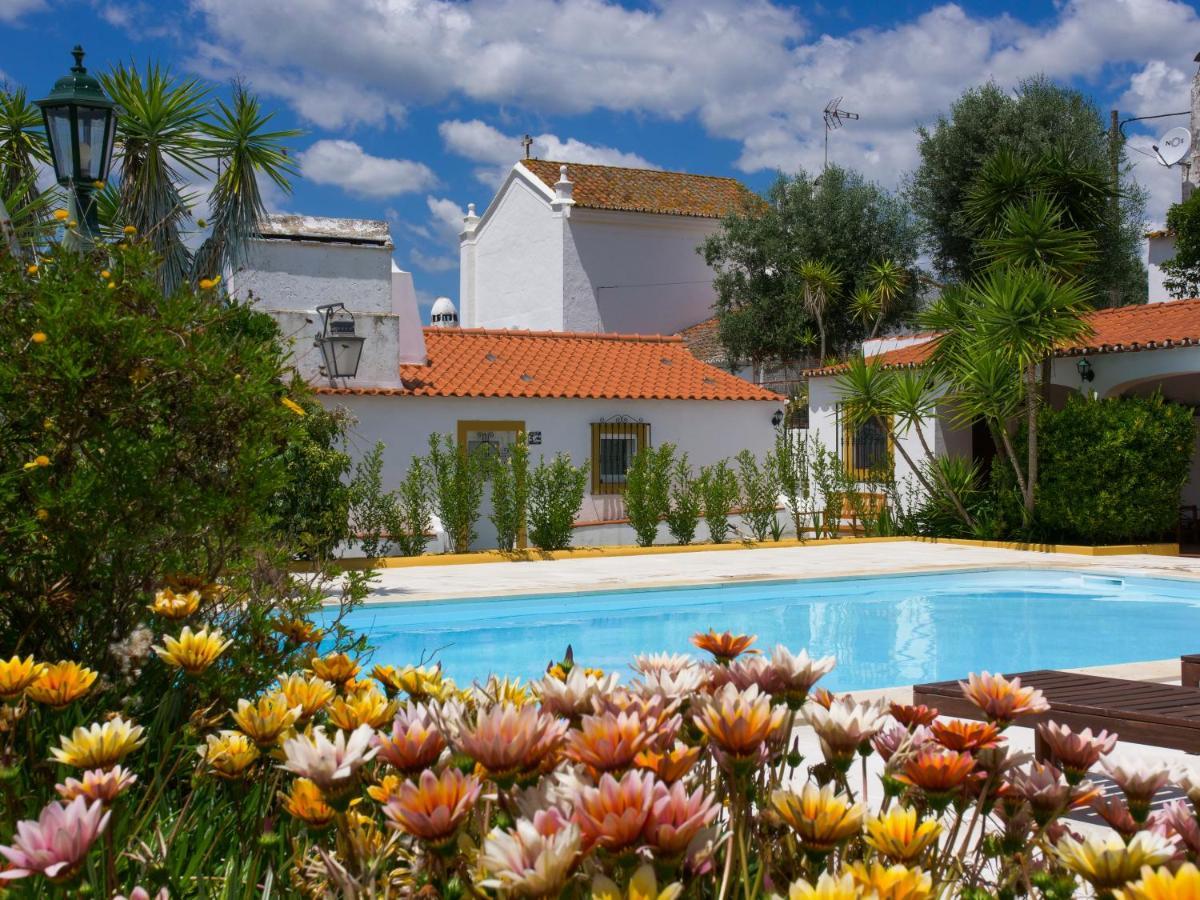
(820, 282)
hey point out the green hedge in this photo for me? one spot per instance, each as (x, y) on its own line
(1111, 470)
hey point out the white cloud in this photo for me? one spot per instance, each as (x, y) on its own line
(11, 10)
(346, 165)
(445, 219)
(428, 263)
(1158, 88)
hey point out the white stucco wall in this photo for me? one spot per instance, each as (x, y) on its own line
(707, 430)
(1158, 251)
(300, 274)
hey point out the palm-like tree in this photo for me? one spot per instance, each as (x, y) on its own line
(886, 281)
(820, 283)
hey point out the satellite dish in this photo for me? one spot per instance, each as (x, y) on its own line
(1173, 146)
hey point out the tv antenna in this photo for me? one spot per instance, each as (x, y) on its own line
(1173, 146)
(834, 117)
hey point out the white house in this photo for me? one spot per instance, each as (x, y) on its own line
(575, 247)
(597, 397)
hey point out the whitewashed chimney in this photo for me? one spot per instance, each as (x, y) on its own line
(563, 191)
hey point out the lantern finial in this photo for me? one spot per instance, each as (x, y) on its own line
(78, 54)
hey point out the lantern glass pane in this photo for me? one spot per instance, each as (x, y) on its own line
(92, 124)
(59, 120)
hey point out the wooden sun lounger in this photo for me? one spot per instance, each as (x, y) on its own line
(1189, 670)
(1144, 712)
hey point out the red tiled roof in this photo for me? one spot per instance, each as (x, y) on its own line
(704, 341)
(647, 190)
(1122, 329)
(476, 362)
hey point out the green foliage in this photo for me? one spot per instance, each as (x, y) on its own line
(415, 509)
(839, 219)
(457, 489)
(648, 490)
(720, 493)
(555, 495)
(373, 511)
(793, 475)
(1111, 470)
(834, 487)
(683, 518)
(510, 493)
(1182, 272)
(759, 493)
(1029, 123)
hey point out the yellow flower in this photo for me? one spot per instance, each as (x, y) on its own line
(266, 719)
(105, 274)
(335, 667)
(306, 803)
(898, 836)
(193, 651)
(206, 284)
(111, 285)
(821, 817)
(31, 269)
(418, 682)
(642, 886)
(310, 695)
(1107, 862)
(129, 230)
(99, 746)
(38, 462)
(17, 674)
(42, 514)
(1162, 884)
(388, 787)
(897, 882)
(827, 888)
(299, 630)
(367, 707)
(98, 185)
(293, 406)
(171, 605)
(61, 684)
(228, 754)
(61, 215)
(38, 337)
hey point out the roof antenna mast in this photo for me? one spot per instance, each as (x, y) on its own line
(834, 117)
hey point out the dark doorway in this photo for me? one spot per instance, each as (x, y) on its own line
(983, 449)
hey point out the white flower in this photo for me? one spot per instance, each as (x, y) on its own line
(573, 696)
(1140, 779)
(681, 685)
(329, 764)
(799, 672)
(1188, 778)
(673, 663)
(845, 726)
(526, 862)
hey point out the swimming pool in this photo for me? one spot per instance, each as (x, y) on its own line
(885, 630)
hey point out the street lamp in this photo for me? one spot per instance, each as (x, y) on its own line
(80, 126)
(340, 346)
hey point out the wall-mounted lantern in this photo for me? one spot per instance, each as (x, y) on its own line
(340, 347)
(1086, 372)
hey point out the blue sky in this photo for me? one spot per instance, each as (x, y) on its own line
(412, 109)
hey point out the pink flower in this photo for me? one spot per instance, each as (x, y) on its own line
(1076, 751)
(890, 740)
(613, 814)
(677, 817)
(57, 843)
(1175, 819)
(104, 785)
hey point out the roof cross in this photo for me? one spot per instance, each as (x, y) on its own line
(527, 143)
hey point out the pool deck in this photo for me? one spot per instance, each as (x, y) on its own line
(568, 576)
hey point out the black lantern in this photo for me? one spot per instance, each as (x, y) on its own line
(777, 419)
(1084, 368)
(80, 126)
(340, 346)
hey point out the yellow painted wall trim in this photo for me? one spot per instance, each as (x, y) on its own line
(1163, 549)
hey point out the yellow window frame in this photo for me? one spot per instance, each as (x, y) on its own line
(865, 473)
(640, 431)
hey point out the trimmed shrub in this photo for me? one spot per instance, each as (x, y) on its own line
(555, 495)
(720, 493)
(414, 507)
(457, 489)
(648, 491)
(686, 502)
(760, 493)
(510, 491)
(793, 473)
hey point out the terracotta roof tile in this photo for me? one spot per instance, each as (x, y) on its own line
(497, 363)
(647, 190)
(704, 341)
(1122, 329)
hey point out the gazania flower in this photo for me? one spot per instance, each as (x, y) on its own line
(1076, 752)
(743, 672)
(309, 695)
(529, 862)
(681, 685)
(889, 741)
(171, 605)
(607, 743)
(822, 697)
(670, 663)
(659, 715)
(1163, 884)
(1047, 792)
(306, 803)
(337, 668)
(508, 741)
(844, 728)
(1188, 779)
(896, 882)
(797, 673)
(642, 886)
(613, 814)
(298, 630)
(900, 835)
(1115, 811)
(676, 817)
(56, 844)
(229, 754)
(415, 742)
(1139, 780)
(193, 651)
(17, 674)
(1176, 820)
(365, 707)
(265, 719)
(501, 690)
(434, 808)
(911, 716)
(828, 887)
(331, 765)
(387, 788)
(100, 746)
(739, 722)
(965, 736)
(938, 774)
(821, 817)
(1000, 699)
(61, 684)
(669, 765)
(724, 647)
(419, 682)
(573, 696)
(1105, 861)
(104, 785)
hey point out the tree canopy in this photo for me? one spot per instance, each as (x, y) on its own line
(839, 219)
(1183, 270)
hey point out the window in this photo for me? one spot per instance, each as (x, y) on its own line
(867, 449)
(493, 438)
(614, 444)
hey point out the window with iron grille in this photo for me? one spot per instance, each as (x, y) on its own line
(866, 448)
(614, 444)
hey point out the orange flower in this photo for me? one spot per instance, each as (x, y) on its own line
(415, 742)
(433, 809)
(965, 736)
(911, 716)
(509, 742)
(61, 684)
(608, 742)
(612, 814)
(938, 774)
(1000, 699)
(335, 667)
(306, 803)
(724, 647)
(739, 722)
(670, 765)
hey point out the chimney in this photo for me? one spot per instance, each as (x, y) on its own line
(563, 189)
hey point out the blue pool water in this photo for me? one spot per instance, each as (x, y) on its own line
(885, 631)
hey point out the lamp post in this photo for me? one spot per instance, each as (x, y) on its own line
(340, 347)
(80, 127)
